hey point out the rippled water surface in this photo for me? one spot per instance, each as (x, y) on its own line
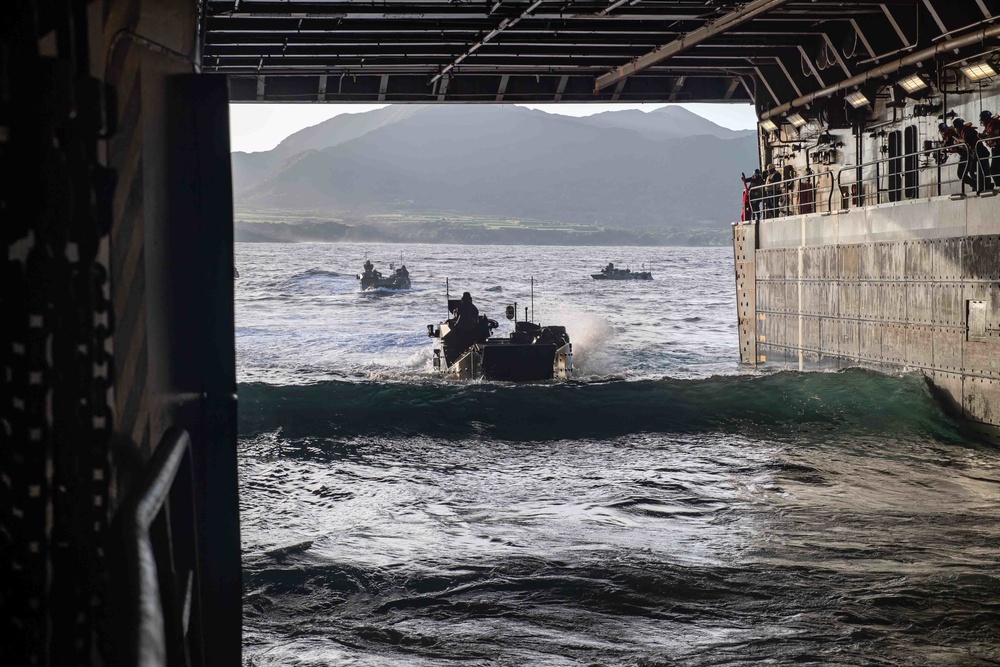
(664, 508)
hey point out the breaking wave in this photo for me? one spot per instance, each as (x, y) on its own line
(777, 406)
(311, 273)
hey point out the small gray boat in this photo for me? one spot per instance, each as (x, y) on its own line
(609, 272)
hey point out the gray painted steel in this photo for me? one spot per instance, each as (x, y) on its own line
(906, 286)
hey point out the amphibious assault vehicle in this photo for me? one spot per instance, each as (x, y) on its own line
(469, 351)
(373, 279)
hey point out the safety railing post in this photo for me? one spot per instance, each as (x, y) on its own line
(974, 164)
(938, 162)
(878, 183)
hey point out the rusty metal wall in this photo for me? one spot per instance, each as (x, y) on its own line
(889, 288)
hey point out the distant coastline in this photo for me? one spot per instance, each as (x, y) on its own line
(291, 227)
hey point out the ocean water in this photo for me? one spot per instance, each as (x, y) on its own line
(666, 507)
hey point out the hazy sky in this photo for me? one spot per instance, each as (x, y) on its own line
(260, 127)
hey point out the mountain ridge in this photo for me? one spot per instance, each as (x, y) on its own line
(621, 171)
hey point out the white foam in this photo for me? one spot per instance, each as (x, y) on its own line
(591, 336)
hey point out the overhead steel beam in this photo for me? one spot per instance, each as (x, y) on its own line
(864, 40)
(521, 50)
(391, 30)
(506, 23)
(677, 88)
(934, 15)
(983, 9)
(722, 66)
(968, 39)
(732, 89)
(618, 90)
(895, 24)
(356, 68)
(503, 87)
(760, 75)
(561, 88)
(610, 8)
(434, 10)
(812, 66)
(524, 88)
(836, 54)
(788, 75)
(442, 87)
(745, 13)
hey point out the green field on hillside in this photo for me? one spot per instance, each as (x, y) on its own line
(283, 225)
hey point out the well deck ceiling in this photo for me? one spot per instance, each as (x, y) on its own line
(763, 51)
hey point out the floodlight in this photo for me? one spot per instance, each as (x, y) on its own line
(912, 84)
(769, 125)
(857, 99)
(978, 71)
(796, 119)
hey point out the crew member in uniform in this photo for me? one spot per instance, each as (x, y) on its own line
(978, 155)
(991, 132)
(954, 142)
(755, 182)
(773, 191)
(466, 315)
(747, 213)
(788, 177)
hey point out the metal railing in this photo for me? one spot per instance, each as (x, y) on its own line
(162, 559)
(901, 177)
(989, 162)
(811, 193)
(888, 179)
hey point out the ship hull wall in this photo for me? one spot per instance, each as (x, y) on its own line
(908, 286)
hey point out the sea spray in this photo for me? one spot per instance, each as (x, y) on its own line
(591, 336)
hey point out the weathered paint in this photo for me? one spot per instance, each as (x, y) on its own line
(913, 285)
(744, 249)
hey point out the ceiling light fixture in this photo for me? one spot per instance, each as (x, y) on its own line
(796, 119)
(912, 84)
(858, 99)
(978, 71)
(769, 125)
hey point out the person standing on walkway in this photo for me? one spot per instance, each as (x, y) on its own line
(756, 181)
(978, 155)
(788, 180)
(773, 191)
(953, 142)
(991, 132)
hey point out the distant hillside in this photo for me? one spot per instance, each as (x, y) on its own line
(664, 169)
(248, 168)
(670, 122)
